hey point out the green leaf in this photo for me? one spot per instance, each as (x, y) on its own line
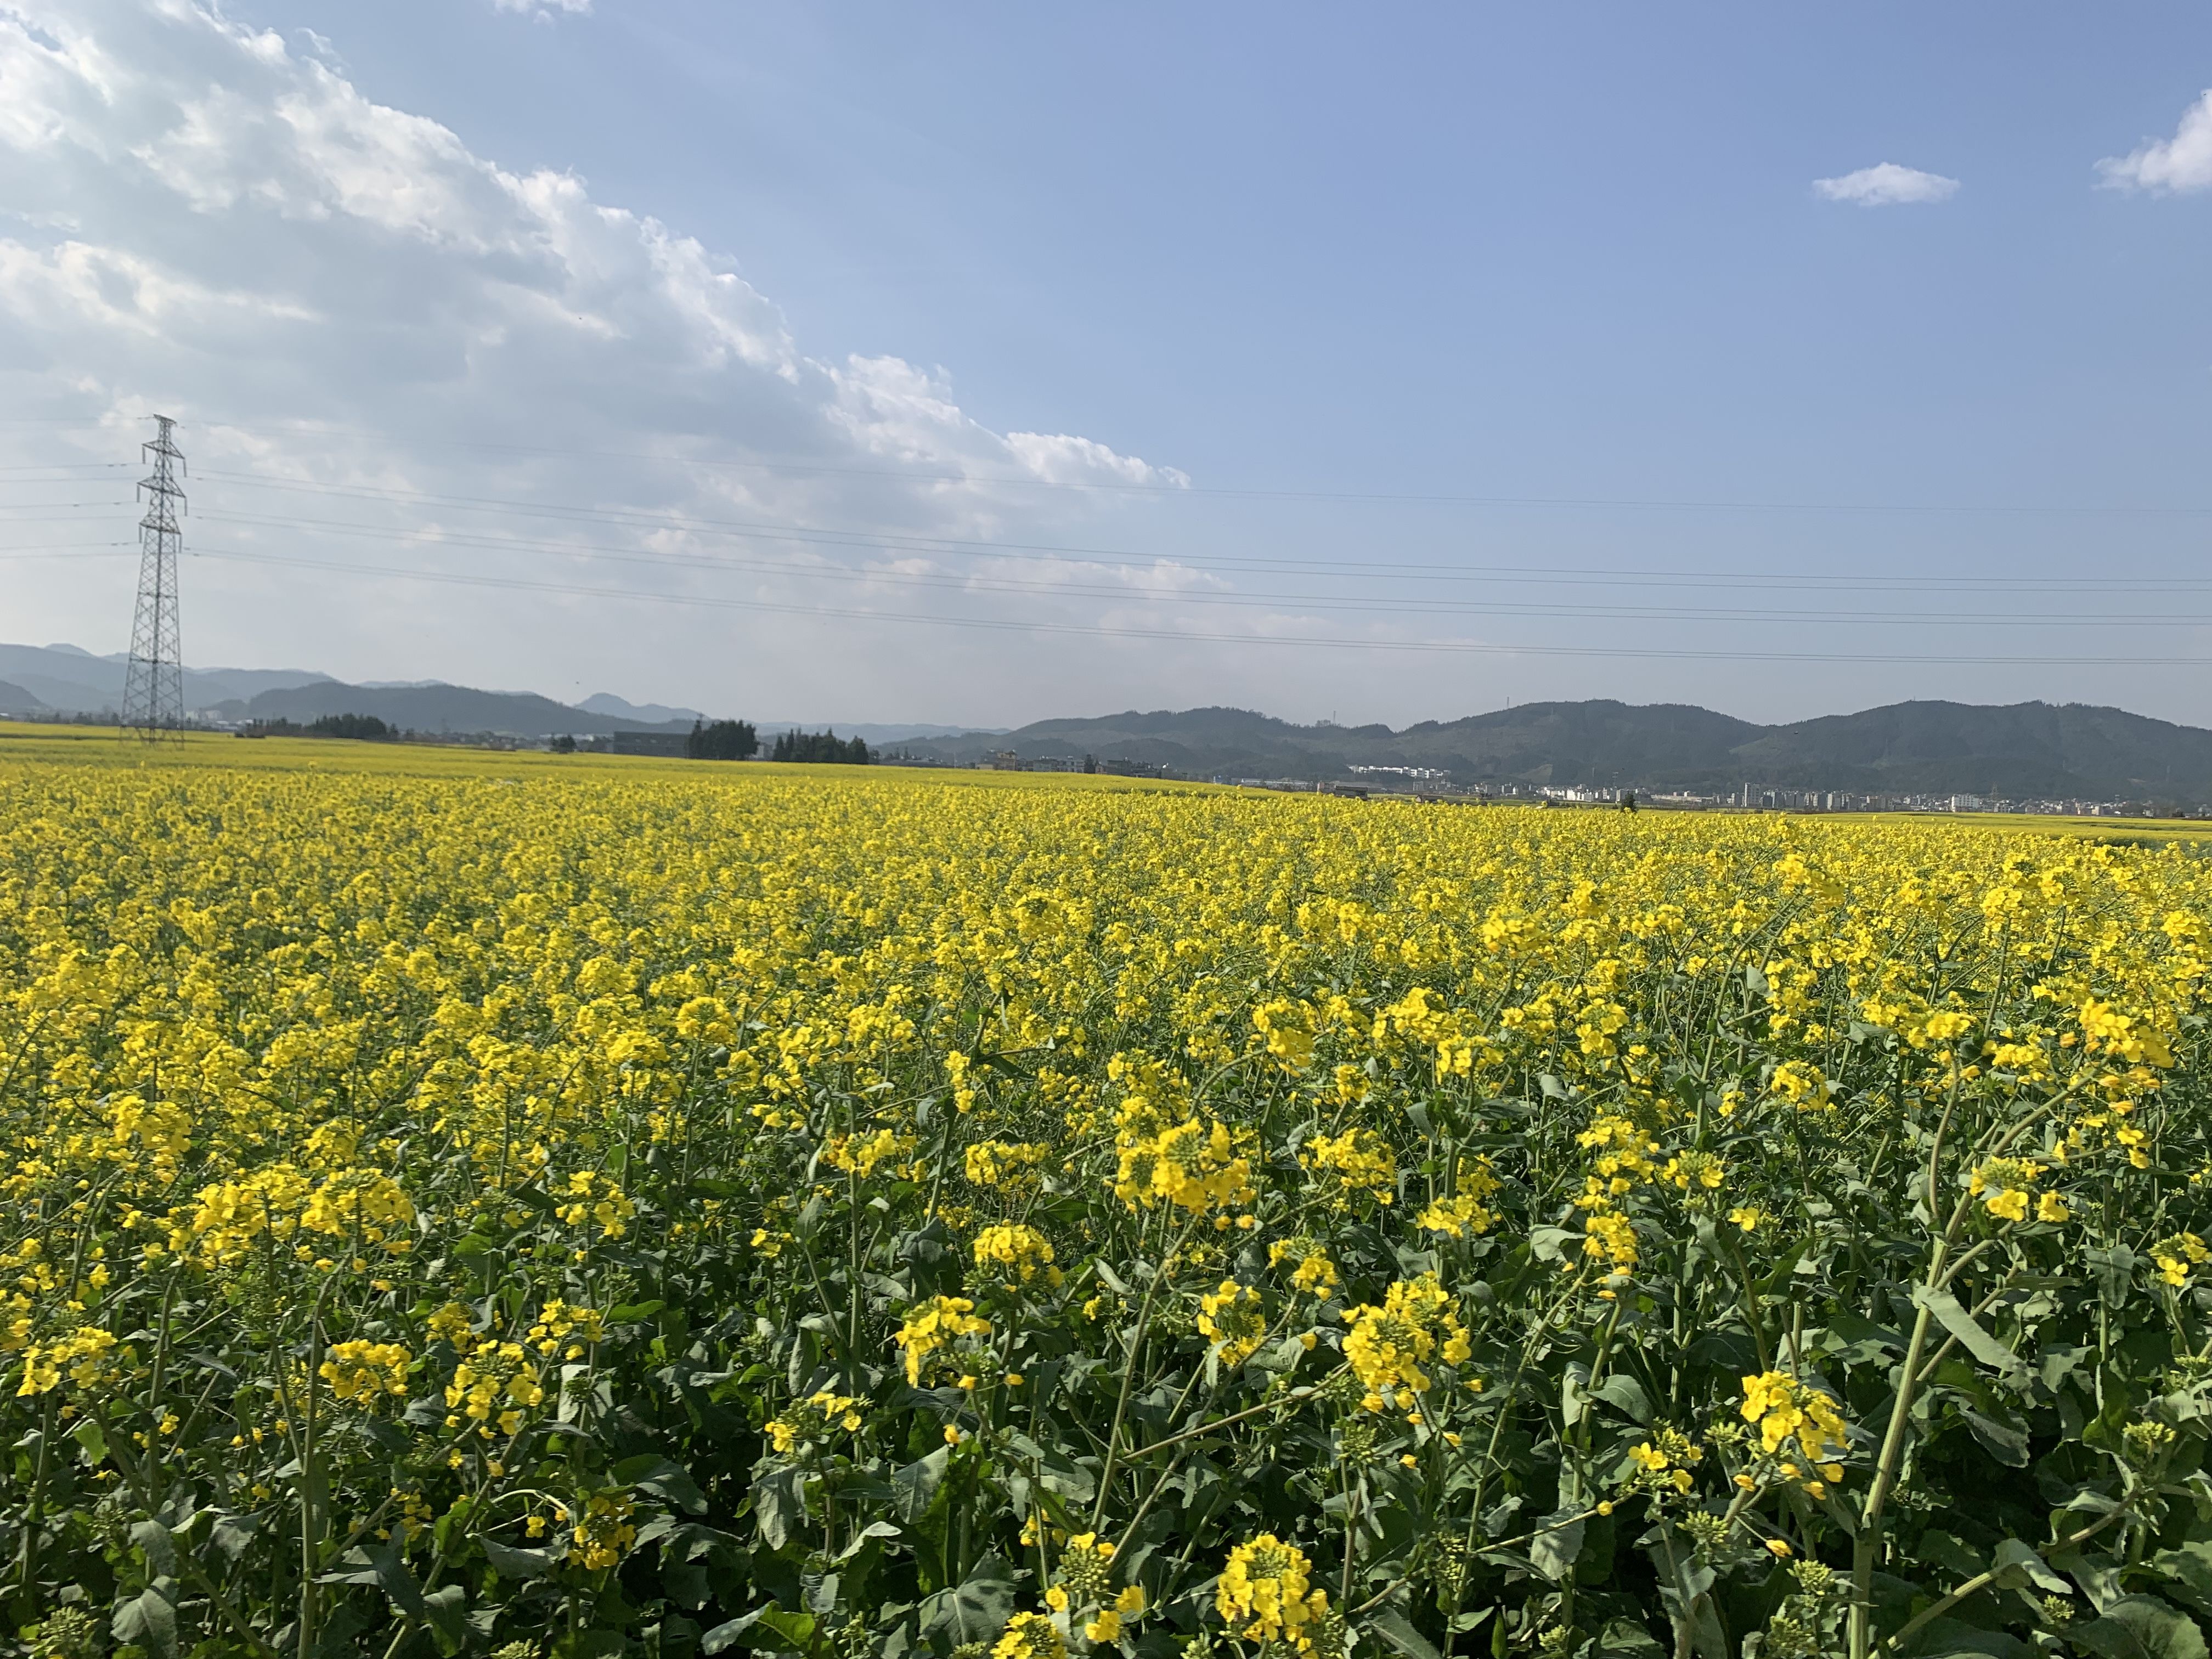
(91, 1442)
(664, 1479)
(726, 1635)
(1625, 1392)
(1553, 1551)
(914, 1485)
(2140, 1627)
(687, 1584)
(867, 1535)
(1953, 1638)
(1858, 1341)
(2113, 1269)
(1627, 1637)
(149, 1619)
(779, 1505)
(159, 1550)
(1971, 1336)
(230, 1536)
(974, 1611)
(2188, 1567)
(386, 1569)
(786, 1631)
(1549, 1243)
(2003, 1442)
(1398, 1633)
(2017, 1565)
(1948, 1552)
(1684, 1583)
(447, 1611)
(509, 1562)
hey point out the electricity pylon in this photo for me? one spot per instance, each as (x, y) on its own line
(153, 685)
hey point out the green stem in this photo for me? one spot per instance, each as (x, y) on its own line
(1982, 1581)
(1129, 1371)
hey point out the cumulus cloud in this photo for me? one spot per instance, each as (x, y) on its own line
(373, 334)
(544, 10)
(2183, 162)
(1887, 184)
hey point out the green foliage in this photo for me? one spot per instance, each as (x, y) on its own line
(721, 740)
(825, 747)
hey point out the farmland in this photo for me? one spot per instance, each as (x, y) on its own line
(514, 1206)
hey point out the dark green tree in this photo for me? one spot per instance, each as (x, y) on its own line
(722, 740)
(365, 726)
(825, 747)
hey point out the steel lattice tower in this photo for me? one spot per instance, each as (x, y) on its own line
(154, 686)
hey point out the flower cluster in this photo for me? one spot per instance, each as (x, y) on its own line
(1264, 1596)
(1794, 1419)
(1016, 1253)
(1231, 1318)
(362, 1370)
(497, 1383)
(931, 1325)
(1387, 1346)
(812, 1419)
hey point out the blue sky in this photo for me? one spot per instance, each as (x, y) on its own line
(1305, 262)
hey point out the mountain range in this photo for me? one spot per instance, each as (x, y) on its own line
(66, 679)
(2013, 751)
(2019, 750)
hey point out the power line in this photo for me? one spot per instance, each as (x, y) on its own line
(659, 519)
(746, 565)
(1171, 490)
(1189, 636)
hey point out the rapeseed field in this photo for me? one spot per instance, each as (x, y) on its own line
(518, 1206)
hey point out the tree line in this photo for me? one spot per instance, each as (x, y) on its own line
(824, 746)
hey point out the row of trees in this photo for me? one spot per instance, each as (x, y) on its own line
(361, 727)
(721, 740)
(824, 746)
(737, 740)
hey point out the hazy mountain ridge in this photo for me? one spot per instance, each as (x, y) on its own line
(622, 708)
(66, 677)
(2017, 751)
(2070, 750)
(442, 708)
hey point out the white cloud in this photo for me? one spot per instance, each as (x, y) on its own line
(543, 10)
(197, 218)
(2183, 162)
(1887, 184)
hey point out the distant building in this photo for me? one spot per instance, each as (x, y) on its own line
(666, 745)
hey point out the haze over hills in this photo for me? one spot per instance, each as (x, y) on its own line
(652, 714)
(2024, 750)
(2016, 751)
(65, 679)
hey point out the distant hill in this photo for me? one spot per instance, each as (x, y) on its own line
(874, 735)
(41, 678)
(64, 676)
(457, 708)
(605, 702)
(2017, 751)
